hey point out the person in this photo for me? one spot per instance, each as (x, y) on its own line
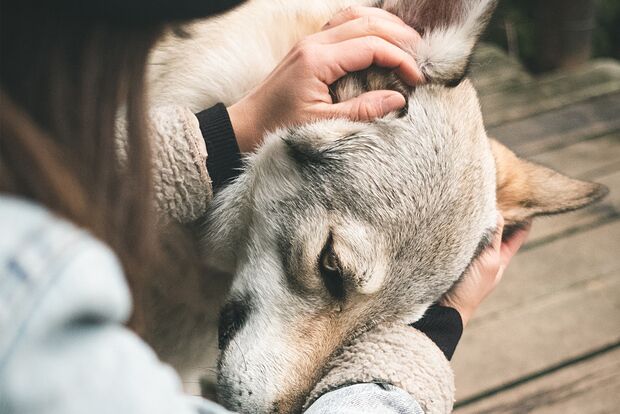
(82, 196)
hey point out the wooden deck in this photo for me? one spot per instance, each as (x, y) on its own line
(548, 340)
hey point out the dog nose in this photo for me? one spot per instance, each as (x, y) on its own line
(232, 318)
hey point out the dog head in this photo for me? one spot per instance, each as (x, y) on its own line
(336, 226)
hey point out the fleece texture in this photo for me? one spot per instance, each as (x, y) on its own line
(393, 354)
(182, 184)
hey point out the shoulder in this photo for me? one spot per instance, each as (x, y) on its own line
(49, 269)
(63, 304)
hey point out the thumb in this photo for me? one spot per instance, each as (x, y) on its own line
(370, 105)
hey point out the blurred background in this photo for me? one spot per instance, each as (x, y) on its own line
(548, 340)
(551, 34)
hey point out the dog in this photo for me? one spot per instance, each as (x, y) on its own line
(336, 226)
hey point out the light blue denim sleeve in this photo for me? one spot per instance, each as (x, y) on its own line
(64, 348)
(63, 345)
(366, 399)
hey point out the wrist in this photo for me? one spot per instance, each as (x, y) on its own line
(245, 124)
(224, 157)
(464, 311)
(443, 325)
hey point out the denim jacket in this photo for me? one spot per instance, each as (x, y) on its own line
(63, 345)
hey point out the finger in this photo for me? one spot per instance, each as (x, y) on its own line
(513, 244)
(368, 106)
(355, 12)
(499, 276)
(401, 35)
(358, 54)
(497, 235)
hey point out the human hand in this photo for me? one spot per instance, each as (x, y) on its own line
(484, 273)
(297, 91)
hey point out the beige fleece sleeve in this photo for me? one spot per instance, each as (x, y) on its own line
(394, 354)
(182, 184)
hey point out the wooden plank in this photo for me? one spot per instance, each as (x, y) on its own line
(596, 160)
(591, 386)
(541, 272)
(551, 92)
(562, 127)
(540, 334)
(547, 229)
(584, 159)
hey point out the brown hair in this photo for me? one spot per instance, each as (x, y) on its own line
(64, 81)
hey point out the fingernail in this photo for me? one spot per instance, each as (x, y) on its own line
(393, 102)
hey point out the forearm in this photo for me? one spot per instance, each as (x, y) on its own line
(443, 326)
(393, 354)
(224, 162)
(181, 182)
(193, 156)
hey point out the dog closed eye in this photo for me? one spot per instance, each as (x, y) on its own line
(331, 270)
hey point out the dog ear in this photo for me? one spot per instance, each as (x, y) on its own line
(526, 190)
(449, 28)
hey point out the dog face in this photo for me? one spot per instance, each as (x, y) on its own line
(336, 226)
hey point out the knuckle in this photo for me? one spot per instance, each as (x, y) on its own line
(302, 44)
(368, 110)
(364, 112)
(370, 24)
(374, 111)
(415, 35)
(356, 111)
(494, 265)
(352, 12)
(305, 51)
(376, 44)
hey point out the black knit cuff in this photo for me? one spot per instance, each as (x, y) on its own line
(444, 326)
(223, 155)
